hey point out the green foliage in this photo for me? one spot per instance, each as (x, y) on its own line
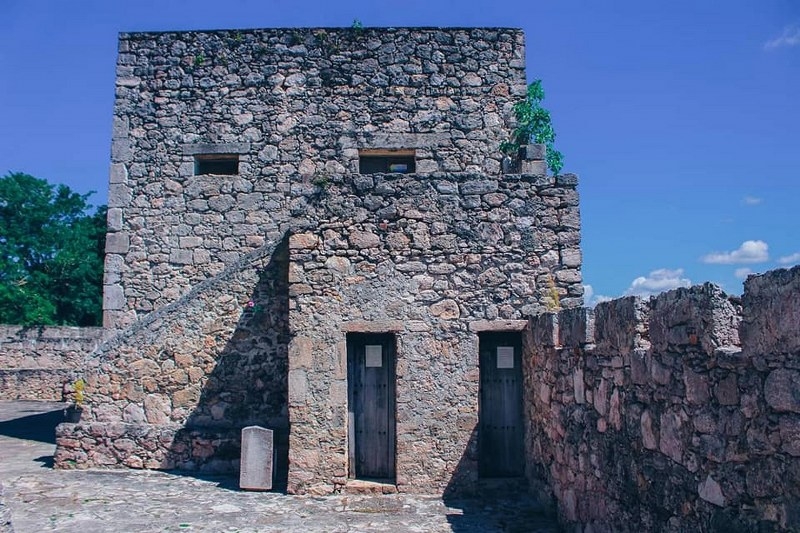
(534, 125)
(51, 254)
(357, 26)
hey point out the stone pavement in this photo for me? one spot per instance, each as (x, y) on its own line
(43, 499)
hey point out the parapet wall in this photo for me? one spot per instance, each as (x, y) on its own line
(675, 414)
(37, 363)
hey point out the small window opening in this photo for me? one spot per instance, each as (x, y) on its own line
(226, 164)
(386, 161)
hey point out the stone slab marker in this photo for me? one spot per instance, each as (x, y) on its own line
(257, 459)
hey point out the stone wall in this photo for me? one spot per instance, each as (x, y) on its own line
(174, 390)
(296, 106)
(423, 259)
(653, 416)
(210, 277)
(40, 363)
(434, 256)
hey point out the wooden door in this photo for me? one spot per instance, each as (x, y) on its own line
(500, 433)
(371, 395)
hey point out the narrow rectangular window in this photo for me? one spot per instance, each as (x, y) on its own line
(386, 161)
(224, 164)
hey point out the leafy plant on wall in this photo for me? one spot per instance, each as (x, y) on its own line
(533, 125)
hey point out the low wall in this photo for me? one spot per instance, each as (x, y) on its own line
(41, 362)
(46, 346)
(653, 416)
(50, 384)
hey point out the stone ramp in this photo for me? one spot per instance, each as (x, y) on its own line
(43, 499)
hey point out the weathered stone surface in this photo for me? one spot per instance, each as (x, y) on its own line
(771, 312)
(5, 514)
(694, 424)
(782, 390)
(710, 491)
(256, 468)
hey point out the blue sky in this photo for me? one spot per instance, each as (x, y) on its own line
(681, 118)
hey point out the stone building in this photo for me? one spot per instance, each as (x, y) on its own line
(311, 230)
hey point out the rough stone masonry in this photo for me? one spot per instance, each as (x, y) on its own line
(232, 293)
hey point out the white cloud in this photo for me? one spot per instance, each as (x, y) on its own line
(748, 252)
(752, 200)
(658, 281)
(789, 37)
(790, 259)
(591, 299)
(742, 273)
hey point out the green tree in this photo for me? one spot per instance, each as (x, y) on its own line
(533, 124)
(51, 254)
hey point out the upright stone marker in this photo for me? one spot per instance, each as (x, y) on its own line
(257, 457)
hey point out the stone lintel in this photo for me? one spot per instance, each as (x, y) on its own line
(404, 140)
(373, 326)
(215, 148)
(481, 326)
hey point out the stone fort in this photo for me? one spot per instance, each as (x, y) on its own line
(315, 231)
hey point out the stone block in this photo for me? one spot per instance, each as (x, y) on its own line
(696, 387)
(118, 173)
(534, 168)
(478, 187)
(727, 391)
(533, 152)
(446, 309)
(571, 257)
(181, 257)
(256, 465)
(121, 150)
(114, 219)
(782, 390)
(771, 313)
(710, 491)
(119, 195)
(567, 180)
(544, 328)
(117, 243)
(620, 325)
(576, 327)
(113, 298)
(700, 318)
(479, 326)
(789, 427)
(364, 239)
(215, 148)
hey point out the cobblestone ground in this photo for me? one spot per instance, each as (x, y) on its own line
(43, 499)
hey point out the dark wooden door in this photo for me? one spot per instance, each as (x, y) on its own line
(371, 393)
(501, 433)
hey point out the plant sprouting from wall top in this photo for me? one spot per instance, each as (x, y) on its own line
(534, 125)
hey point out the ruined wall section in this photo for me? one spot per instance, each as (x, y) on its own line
(648, 415)
(422, 259)
(40, 363)
(295, 105)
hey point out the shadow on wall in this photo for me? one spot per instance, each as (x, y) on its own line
(247, 386)
(502, 504)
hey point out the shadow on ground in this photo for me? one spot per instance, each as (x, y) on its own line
(248, 386)
(38, 427)
(497, 505)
